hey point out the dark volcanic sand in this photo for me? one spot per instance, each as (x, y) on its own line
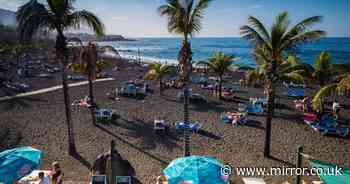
(41, 122)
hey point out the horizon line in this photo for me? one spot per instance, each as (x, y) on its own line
(207, 36)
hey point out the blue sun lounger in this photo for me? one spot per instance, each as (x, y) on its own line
(194, 127)
(328, 125)
(256, 108)
(296, 91)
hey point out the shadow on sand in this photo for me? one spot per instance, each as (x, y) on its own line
(132, 145)
(26, 102)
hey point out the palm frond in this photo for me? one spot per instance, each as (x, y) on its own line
(291, 77)
(159, 70)
(31, 17)
(321, 94)
(278, 29)
(301, 27)
(344, 84)
(303, 37)
(251, 35)
(85, 17)
(195, 23)
(220, 63)
(184, 16)
(253, 76)
(259, 27)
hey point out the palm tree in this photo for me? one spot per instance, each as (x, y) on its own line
(184, 18)
(91, 66)
(340, 87)
(325, 70)
(58, 15)
(158, 71)
(220, 64)
(272, 47)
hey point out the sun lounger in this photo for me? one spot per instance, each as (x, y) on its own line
(255, 108)
(296, 92)
(310, 117)
(192, 96)
(99, 179)
(328, 126)
(242, 107)
(75, 78)
(232, 88)
(16, 86)
(123, 180)
(104, 114)
(160, 126)
(194, 127)
(131, 89)
(208, 87)
(200, 80)
(262, 101)
(253, 181)
(45, 75)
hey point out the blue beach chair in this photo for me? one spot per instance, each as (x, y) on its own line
(194, 127)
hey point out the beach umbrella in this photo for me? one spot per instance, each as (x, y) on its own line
(17, 163)
(328, 172)
(195, 170)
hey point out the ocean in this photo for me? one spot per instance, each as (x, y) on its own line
(166, 49)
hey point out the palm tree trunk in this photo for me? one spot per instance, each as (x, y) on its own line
(92, 100)
(220, 87)
(186, 59)
(187, 136)
(270, 112)
(62, 52)
(160, 86)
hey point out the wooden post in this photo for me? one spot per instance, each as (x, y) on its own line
(113, 175)
(299, 162)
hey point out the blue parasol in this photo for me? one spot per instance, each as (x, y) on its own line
(195, 170)
(17, 163)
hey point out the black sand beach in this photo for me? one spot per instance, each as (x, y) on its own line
(39, 121)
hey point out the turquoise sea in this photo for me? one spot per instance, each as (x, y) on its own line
(166, 49)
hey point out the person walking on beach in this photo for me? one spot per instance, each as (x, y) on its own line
(336, 109)
(56, 174)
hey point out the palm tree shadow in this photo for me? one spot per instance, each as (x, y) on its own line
(212, 106)
(209, 135)
(139, 129)
(281, 161)
(255, 124)
(170, 98)
(282, 106)
(132, 145)
(81, 159)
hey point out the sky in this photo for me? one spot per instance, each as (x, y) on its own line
(139, 18)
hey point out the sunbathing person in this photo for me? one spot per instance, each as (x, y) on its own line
(56, 174)
(40, 179)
